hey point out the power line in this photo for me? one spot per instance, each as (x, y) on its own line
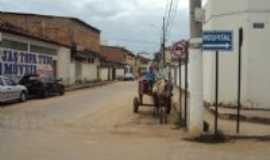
(175, 11)
(166, 7)
(168, 15)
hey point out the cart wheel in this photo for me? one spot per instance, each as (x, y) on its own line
(136, 104)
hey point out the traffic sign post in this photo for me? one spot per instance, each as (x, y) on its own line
(180, 52)
(217, 41)
(240, 43)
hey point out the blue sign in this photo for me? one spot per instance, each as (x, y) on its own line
(218, 40)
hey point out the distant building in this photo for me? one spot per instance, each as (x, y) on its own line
(142, 63)
(118, 61)
(254, 17)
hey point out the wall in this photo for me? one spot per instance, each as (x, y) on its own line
(258, 76)
(130, 60)
(114, 54)
(231, 15)
(64, 66)
(120, 72)
(104, 74)
(72, 72)
(19, 57)
(57, 29)
(228, 62)
(89, 71)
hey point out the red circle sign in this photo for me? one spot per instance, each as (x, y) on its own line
(179, 49)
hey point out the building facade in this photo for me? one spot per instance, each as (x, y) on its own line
(118, 62)
(254, 18)
(77, 61)
(141, 65)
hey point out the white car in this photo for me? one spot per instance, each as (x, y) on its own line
(129, 77)
(9, 90)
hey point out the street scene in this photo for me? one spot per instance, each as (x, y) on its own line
(104, 127)
(138, 79)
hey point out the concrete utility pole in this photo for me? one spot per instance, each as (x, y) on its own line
(196, 108)
(163, 45)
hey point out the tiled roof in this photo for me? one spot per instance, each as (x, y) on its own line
(143, 59)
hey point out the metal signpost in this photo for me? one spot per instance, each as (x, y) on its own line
(217, 41)
(180, 52)
(240, 43)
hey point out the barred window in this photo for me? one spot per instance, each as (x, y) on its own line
(13, 45)
(41, 49)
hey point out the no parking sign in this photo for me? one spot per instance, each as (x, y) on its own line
(179, 50)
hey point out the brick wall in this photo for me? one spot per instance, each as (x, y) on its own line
(57, 29)
(114, 54)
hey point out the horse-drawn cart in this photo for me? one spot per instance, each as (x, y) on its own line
(161, 93)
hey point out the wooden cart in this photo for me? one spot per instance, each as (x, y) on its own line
(162, 102)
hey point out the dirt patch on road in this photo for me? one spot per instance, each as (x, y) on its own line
(119, 119)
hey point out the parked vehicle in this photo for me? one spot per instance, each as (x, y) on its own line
(42, 87)
(129, 77)
(10, 91)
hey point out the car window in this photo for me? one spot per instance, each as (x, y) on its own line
(9, 82)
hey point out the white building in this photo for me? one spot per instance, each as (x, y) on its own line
(22, 54)
(254, 17)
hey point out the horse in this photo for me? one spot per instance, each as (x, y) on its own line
(162, 97)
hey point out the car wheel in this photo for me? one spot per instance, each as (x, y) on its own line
(45, 94)
(23, 97)
(62, 92)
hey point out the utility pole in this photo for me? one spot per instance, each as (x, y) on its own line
(163, 42)
(195, 76)
(195, 26)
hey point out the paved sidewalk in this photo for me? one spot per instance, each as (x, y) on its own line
(254, 124)
(87, 85)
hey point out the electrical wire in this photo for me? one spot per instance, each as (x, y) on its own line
(172, 20)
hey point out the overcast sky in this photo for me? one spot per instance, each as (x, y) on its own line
(135, 24)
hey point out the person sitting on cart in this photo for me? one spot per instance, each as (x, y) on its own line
(150, 76)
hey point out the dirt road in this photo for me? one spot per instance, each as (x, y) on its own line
(98, 124)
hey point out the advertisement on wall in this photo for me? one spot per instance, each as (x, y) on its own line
(15, 64)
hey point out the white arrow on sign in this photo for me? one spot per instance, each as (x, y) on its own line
(227, 45)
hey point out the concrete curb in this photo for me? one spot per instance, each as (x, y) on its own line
(233, 117)
(87, 86)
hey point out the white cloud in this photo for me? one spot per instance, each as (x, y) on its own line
(132, 23)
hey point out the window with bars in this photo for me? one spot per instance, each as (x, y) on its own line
(41, 49)
(14, 45)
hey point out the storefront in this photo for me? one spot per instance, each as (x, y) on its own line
(20, 56)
